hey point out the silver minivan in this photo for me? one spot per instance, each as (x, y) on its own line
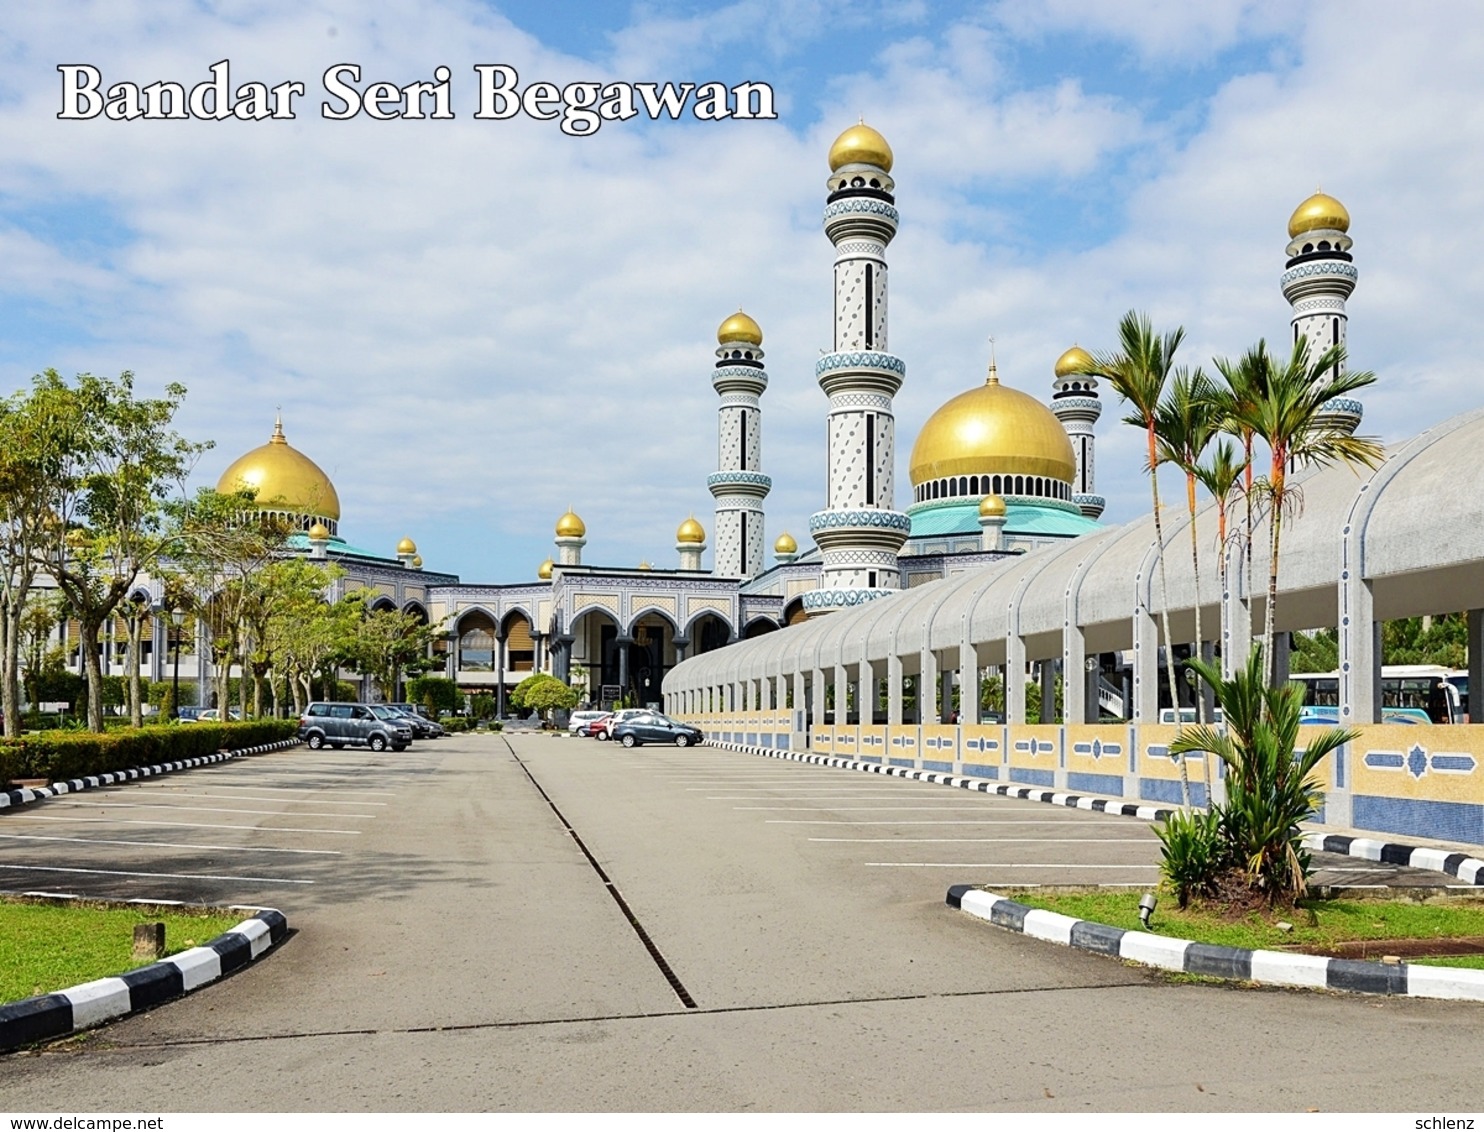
(330, 724)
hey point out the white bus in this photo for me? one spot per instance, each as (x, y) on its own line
(1410, 693)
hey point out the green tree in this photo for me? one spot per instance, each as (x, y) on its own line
(304, 631)
(1288, 413)
(384, 644)
(1137, 372)
(436, 693)
(1316, 652)
(118, 463)
(543, 693)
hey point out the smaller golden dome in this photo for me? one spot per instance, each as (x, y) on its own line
(570, 526)
(1320, 211)
(1075, 361)
(544, 571)
(785, 544)
(645, 566)
(690, 531)
(860, 145)
(992, 507)
(319, 532)
(407, 546)
(417, 561)
(740, 327)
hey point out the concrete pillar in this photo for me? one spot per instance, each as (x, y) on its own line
(945, 696)
(842, 695)
(968, 683)
(1282, 649)
(927, 687)
(1360, 656)
(817, 697)
(1014, 679)
(894, 679)
(1146, 668)
(1048, 691)
(622, 645)
(1074, 670)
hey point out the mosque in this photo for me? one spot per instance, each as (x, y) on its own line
(995, 473)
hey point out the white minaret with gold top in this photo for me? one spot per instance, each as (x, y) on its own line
(1317, 280)
(1075, 402)
(738, 484)
(859, 532)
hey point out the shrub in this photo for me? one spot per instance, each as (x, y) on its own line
(436, 693)
(60, 755)
(482, 706)
(455, 724)
(1194, 853)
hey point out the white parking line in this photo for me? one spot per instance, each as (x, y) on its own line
(202, 809)
(127, 873)
(987, 865)
(911, 821)
(167, 792)
(301, 789)
(887, 809)
(986, 841)
(183, 824)
(165, 844)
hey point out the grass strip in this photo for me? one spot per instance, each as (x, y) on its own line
(1316, 923)
(49, 947)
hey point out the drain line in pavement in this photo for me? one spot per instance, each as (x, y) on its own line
(649, 945)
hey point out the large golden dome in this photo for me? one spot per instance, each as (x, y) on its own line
(1320, 211)
(860, 145)
(740, 327)
(282, 479)
(992, 429)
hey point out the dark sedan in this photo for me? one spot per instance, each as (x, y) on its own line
(651, 727)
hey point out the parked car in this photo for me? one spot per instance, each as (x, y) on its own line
(578, 721)
(210, 715)
(330, 724)
(618, 717)
(598, 728)
(394, 718)
(651, 727)
(415, 715)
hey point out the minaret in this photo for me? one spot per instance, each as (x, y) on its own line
(992, 511)
(690, 543)
(738, 483)
(859, 531)
(406, 552)
(1318, 279)
(571, 537)
(1075, 403)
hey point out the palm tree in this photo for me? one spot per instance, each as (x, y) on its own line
(1138, 373)
(1246, 379)
(1288, 414)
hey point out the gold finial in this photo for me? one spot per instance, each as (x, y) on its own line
(994, 377)
(278, 436)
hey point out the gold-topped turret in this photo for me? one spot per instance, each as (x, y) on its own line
(992, 506)
(860, 145)
(407, 546)
(571, 525)
(544, 571)
(691, 531)
(785, 544)
(1074, 362)
(1320, 211)
(740, 327)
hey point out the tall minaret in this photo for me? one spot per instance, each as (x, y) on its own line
(739, 484)
(1075, 403)
(1318, 279)
(859, 531)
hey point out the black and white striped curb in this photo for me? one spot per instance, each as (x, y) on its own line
(1468, 869)
(1279, 968)
(28, 794)
(90, 1004)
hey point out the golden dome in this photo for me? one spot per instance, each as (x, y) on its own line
(992, 506)
(407, 546)
(860, 145)
(417, 561)
(570, 526)
(785, 544)
(992, 429)
(740, 327)
(690, 531)
(544, 571)
(319, 532)
(1075, 361)
(645, 566)
(282, 479)
(1320, 211)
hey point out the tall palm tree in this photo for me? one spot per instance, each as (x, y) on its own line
(1288, 414)
(1220, 475)
(1246, 378)
(1137, 372)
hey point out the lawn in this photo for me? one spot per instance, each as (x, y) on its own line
(49, 947)
(1316, 923)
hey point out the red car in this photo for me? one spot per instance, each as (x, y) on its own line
(597, 728)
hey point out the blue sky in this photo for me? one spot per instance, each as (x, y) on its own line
(471, 325)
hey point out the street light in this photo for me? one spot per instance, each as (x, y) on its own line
(178, 617)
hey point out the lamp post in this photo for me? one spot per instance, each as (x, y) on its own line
(177, 616)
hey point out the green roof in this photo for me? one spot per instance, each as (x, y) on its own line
(961, 517)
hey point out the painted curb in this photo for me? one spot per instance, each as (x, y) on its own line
(1277, 968)
(9, 799)
(1468, 869)
(56, 1015)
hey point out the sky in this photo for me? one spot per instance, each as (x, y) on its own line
(473, 324)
